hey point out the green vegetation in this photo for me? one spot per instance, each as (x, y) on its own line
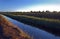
(49, 21)
(35, 21)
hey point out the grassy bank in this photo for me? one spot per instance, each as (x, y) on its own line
(50, 25)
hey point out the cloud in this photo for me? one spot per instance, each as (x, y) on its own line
(41, 8)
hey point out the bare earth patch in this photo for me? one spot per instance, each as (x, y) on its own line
(11, 31)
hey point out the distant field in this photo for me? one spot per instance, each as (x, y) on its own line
(47, 14)
(50, 25)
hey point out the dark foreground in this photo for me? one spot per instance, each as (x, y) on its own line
(34, 32)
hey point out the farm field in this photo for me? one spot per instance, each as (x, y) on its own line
(44, 21)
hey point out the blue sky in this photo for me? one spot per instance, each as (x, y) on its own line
(27, 5)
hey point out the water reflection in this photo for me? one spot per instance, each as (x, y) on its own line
(32, 31)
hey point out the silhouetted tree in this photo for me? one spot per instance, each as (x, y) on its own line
(47, 11)
(54, 11)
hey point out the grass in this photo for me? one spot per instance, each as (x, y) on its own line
(37, 18)
(51, 22)
(50, 25)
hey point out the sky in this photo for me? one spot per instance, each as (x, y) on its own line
(29, 5)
